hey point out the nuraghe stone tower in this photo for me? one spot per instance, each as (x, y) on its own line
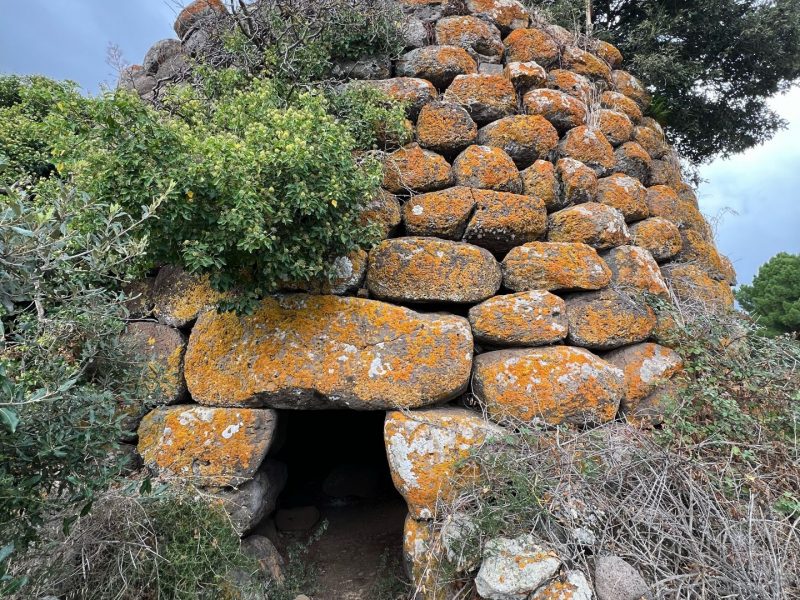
(527, 230)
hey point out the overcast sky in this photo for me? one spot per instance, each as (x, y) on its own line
(68, 39)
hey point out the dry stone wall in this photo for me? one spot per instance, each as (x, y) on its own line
(527, 229)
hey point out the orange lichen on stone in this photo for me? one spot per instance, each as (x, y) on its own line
(648, 369)
(609, 53)
(422, 556)
(525, 75)
(506, 14)
(627, 84)
(570, 83)
(699, 251)
(420, 269)
(651, 140)
(412, 90)
(539, 180)
(663, 201)
(158, 350)
(552, 385)
(486, 167)
(384, 211)
(624, 193)
(312, 352)
(441, 214)
(590, 147)
(634, 271)
(591, 223)
(633, 160)
(554, 266)
(445, 128)
(562, 110)
(196, 11)
(694, 287)
(412, 169)
(502, 220)
(180, 297)
(531, 45)
(485, 97)
(616, 126)
(426, 451)
(585, 63)
(525, 138)
(475, 35)
(620, 102)
(533, 318)
(659, 236)
(665, 172)
(208, 446)
(578, 182)
(608, 319)
(438, 64)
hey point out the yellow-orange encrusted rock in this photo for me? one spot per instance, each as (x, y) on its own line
(525, 75)
(624, 193)
(609, 53)
(531, 45)
(562, 110)
(651, 140)
(627, 84)
(584, 63)
(665, 171)
(158, 351)
(383, 211)
(590, 147)
(660, 236)
(422, 558)
(195, 13)
(702, 253)
(554, 266)
(311, 352)
(578, 182)
(414, 91)
(420, 269)
(570, 83)
(485, 97)
(534, 318)
(571, 585)
(616, 126)
(539, 180)
(481, 39)
(426, 450)
(445, 128)
(633, 160)
(608, 319)
(621, 103)
(501, 221)
(437, 64)
(648, 369)
(525, 138)
(591, 223)
(506, 14)
(634, 271)
(663, 201)
(694, 287)
(207, 446)
(413, 169)
(441, 214)
(179, 297)
(488, 168)
(553, 385)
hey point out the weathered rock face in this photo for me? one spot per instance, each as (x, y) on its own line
(158, 349)
(551, 385)
(445, 128)
(525, 138)
(485, 167)
(615, 579)
(634, 271)
(659, 236)
(179, 297)
(208, 446)
(413, 169)
(595, 224)
(554, 266)
(515, 568)
(607, 319)
(419, 269)
(438, 64)
(313, 352)
(485, 97)
(534, 318)
(425, 449)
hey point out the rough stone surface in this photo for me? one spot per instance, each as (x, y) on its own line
(525, 75)
(578, 182)
(554, 385)
(159, 53)
(651, 140)
(585, 63)
(648, 369)
(661, 237)
(512, 569)
(195, 13)
(419, 269)
(481, 39)
(624, 193)
(487, 167)
(627, 84)
(609, 53)
(384, 211)
(501, 221)
(633, 160)
(505, 14)
(692, 286)
(270, 562)
(607, 319)
(208, 446)
(348, 275)
(485, 97)
(621, 103)
(366, 67)
(615, 579)
(590, 147)
(531, 45)
(311, 352)
(424, 449)
(158, 350)
(421, 560)
(597, 225)
(616, 126)
(139, 297)
(412, 169)
(554, 266)
(179, 297)
(561, 109)
(539, 180)
(445, 128)
(533, 318)
(525, 138)
(697, 250)
(634, 271)
(438, 64)
(573, 585)
(417, 92)
(443, 214)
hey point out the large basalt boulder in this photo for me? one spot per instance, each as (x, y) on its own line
(608, 319)
(561, 109)
(179, 297)
(414, 91)
(624, 193)
(552, 385)
(384, 211)
(313, 352)
(158, 350)
(585, 63)
(627, 84)
(412, 169)
(442, 214)
(616, 126)
(419, 269)
(485, 97)
(422, 560)
(592, 223)
(570, 83)
(635, 271)
(438, 64)
(506, 14)
(197, 13)
(525, 75)
(481, 39)
(590, 147)
(578, 182)
(531, 45)
(621, 103)
(693, 287)
(159, 53)
(554, 266)
(660, 236)
(539, 180)
(533, 318)
(488, 168)
(207, 446)
(633, 160)
(445, 128)
(512, 569)
(426, 449)
(525, 138)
